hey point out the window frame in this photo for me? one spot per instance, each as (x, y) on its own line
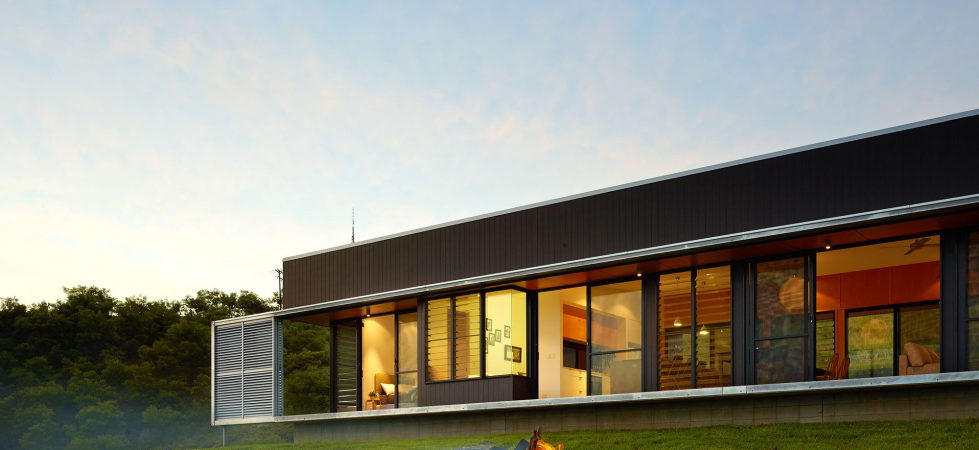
(423, 333)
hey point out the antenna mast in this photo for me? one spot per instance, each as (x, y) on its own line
(352, 225)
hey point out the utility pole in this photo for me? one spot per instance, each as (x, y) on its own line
(278, 274)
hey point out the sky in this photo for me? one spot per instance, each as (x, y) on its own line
(159, 148)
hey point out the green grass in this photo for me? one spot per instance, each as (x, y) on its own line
(945, 434)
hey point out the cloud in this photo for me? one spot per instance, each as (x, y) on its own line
(158, 149)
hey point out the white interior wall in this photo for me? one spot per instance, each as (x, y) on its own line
(378, 350)
(550, 342)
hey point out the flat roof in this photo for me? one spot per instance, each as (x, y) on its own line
(736, 162)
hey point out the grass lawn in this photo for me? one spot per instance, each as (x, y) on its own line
(895, 434)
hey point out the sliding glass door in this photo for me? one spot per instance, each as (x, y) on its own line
(615, 338)
(782, 326)
(406, 385)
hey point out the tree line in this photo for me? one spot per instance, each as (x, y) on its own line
(93, 371)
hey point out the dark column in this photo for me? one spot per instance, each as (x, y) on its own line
(650, 330)
(740, 323)
(955, 248)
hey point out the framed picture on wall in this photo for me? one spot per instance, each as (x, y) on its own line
(512, 353)
(489, 323)
(506, 331)
(499, 336)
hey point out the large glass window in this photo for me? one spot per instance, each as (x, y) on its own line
(407, 376)
(781, 299)
(873, 350)
(616, 338)
(506, 333)
(459, 323)
(885, 297)
(699, 323)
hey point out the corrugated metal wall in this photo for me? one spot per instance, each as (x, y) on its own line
(921, 164)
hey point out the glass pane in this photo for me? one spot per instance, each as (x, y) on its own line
(780, 360)
(973, 264)
(974, 345)
(616, 310)
(674, 331)
(780, 298)
(506, 313)
(467, 315)
(467, 331)
(870, 344)
(437, 339)
(306, 368)
(616, 373)
(407, 390)
(921, 325)
(825, 341)
(407, 342)
(713, 327)
(467, 357)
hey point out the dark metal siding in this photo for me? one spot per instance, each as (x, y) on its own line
(921, 164)
(494, 389)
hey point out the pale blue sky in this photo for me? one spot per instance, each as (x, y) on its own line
(160, 148)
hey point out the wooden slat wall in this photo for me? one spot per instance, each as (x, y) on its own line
(912, 166)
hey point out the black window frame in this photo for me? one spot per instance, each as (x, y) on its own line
(423, 334)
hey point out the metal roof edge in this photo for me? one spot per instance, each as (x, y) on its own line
(723, 165)
(693, 245)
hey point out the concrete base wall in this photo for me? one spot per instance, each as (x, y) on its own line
(908, 403)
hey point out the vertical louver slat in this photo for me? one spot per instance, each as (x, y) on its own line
(244, 366)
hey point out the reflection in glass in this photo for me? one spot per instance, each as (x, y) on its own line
(920, 324)
(973, 305)
(870, 344)
(674, 331)
(974, 345)
(780, 311)
(780, 360)
(616, 373)
(407, 376)
(407, 342)
(408, 390)
(780, 298)
(615, 316)
(616, 326)
(506, 311)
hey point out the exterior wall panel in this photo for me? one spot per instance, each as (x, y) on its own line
(916, 165)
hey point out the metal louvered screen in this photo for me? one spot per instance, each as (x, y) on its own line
(244, 370)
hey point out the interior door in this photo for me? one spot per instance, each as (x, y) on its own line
(346, 365)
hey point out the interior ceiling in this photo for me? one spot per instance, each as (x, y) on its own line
(888, 254)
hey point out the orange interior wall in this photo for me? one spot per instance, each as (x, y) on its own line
(875, 287)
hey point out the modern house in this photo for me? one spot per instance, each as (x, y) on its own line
(832, 282)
